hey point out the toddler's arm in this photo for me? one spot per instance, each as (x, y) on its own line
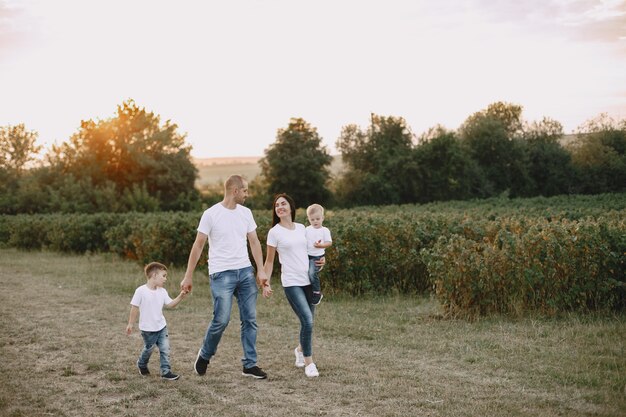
(175, 301)
(134, 313)
(323, 245)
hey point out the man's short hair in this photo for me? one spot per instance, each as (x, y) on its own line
(314, 208)
(153, 267)
(234, 181)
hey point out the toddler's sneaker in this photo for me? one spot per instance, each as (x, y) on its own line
(311, 370)
(299, 358)
(317, 297)
(170, 376)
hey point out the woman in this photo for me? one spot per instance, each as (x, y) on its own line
(288, 239)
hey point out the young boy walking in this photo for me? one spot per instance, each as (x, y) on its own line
(148, 302)
(318, 239)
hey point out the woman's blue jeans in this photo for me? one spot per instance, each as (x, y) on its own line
(300, 300)
(241, 284)
(161, 340)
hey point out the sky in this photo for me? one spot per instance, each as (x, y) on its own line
(231, 73)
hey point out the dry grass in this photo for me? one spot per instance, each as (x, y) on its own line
(64, 353)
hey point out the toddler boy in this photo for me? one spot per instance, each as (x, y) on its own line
(318, 239)
(148, 302)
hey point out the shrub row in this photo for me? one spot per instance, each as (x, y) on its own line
(497, 255)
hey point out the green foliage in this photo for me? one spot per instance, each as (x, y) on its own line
(492, 140)
(497, 255)
(446, 171)
(297, 164)
(17, 148)
(166, 237)
(531, 265)
(599, 156)
(379, 165)
(549, 164)
(135, 153)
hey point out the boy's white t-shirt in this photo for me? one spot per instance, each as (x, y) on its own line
(291, 248)
(228, 236)
(315, 235)
(150, 303)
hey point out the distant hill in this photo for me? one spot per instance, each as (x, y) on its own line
(213, 171)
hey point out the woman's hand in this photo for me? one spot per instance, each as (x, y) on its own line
(267, 290)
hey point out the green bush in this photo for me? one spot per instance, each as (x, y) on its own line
(534, 265)
(491, 256)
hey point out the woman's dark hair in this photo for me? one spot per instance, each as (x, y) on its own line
(275, 219)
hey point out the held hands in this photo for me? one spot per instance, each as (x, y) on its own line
(185, 285)
(267, 290)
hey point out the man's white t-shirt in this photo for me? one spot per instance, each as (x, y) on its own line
(150, 303)
(291, 248)
(228, 236)
(315, 235)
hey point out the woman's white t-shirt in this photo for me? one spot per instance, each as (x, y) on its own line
(150, 303)
(227, 231)
(292, 255)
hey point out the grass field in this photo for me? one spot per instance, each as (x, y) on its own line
(64, 353)
(213, 171)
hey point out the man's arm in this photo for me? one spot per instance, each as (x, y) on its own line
(257, 254)
(194, 257)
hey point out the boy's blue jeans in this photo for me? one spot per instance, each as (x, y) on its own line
(314, 273)
(240, 283)
(300, 300)
(161, 340)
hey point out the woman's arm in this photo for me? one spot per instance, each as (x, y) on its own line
(269, 267)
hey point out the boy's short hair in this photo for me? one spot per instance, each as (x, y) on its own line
(153, 267)
(314, 208)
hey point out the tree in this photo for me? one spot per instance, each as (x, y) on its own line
(492, 137)
(599, 155)
(446, 171)
(297, 164)
(549, 163)
(17, 148)
(379, 164)
(134, 152)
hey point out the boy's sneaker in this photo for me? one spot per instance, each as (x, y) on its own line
(317, 297)
(254, 372)
(200, 365)
(299, 358)
(170, 376)
(311, 370)
(143, 371)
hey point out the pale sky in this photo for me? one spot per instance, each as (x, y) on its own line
(231, 73)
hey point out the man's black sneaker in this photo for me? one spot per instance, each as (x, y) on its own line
(201, 364)
(254, 372)
(143, 371)
(170, 376)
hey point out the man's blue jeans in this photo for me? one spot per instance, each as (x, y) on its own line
(300, 300)
(161, 340)
(241, 284)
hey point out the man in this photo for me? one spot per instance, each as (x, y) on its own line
(229, 226)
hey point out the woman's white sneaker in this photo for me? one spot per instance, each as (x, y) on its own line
(299, 358)
(311, 370)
